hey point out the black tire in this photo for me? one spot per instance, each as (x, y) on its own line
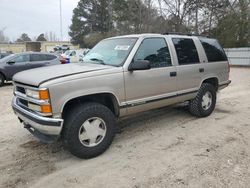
(73, 123)
(2, 80)
(195, 105)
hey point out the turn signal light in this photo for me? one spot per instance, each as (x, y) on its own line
(44, 94)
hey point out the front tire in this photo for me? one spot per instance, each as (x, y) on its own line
(89, 130)
(204, 102)
(2, 80)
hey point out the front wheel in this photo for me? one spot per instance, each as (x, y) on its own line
(89, 130)
(204, 103)
(1, 80)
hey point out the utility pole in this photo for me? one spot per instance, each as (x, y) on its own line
(61, 20)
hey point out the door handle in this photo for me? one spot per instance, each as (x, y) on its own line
(173, 74)
(201, 70)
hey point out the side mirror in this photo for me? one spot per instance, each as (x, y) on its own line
(11, 62)
(139, 65)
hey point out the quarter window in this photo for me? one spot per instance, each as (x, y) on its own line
(156, 51)
(186, 51)
(213, 50)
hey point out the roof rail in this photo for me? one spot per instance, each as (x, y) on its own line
(187, 34)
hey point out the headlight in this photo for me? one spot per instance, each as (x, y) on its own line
(42, 94)
(32, 93)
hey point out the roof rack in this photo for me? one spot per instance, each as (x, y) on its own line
(186, 34)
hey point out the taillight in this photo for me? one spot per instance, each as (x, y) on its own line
(63, 61)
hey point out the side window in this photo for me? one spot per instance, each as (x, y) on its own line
(156, 51)
(21, 58)
(213, 50)
(38, 57)
(186, 51)
(35, 57)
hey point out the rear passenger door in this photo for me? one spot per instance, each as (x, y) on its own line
(189, 68)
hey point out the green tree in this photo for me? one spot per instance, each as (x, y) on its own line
(90, 16)
(23, 38)
(41, 38)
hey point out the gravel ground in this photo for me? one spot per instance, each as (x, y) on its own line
(162, 148)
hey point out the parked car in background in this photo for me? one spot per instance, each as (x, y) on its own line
(2, 55)
(15, 63)
(73, 56)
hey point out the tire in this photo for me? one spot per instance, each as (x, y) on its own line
(81, 129)
(2, 80)
(201, 106)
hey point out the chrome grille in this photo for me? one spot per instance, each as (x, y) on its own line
(23, 100)
(20, 89)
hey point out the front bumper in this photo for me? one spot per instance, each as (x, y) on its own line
(45, 125)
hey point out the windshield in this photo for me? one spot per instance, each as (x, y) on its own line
(67, 52)
(110, 52)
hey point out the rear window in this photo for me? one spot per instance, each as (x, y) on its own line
(186, 51)
(213, 50)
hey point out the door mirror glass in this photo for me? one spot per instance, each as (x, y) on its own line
(139, 65)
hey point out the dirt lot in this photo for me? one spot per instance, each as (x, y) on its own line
(161, 148)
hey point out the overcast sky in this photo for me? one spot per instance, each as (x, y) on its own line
(35, 17)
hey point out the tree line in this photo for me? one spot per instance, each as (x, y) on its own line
(226, 20)
(24, 37)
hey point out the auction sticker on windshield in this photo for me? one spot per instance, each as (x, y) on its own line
(122, 47)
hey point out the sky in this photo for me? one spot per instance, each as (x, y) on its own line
(35, 17)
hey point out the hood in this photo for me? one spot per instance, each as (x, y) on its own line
(36, 77)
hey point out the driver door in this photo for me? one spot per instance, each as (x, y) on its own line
(17, 64)
(148, 89)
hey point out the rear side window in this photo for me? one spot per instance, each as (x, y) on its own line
(213, 50)
(38, 57)
(186, 51)
(50, 57)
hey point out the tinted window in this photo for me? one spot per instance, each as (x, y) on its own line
(154, 50)
(21, 58)
(213, 50)
(38, 57)
(50, 57)
(186, 51)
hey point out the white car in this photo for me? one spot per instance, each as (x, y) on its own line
(73, 56)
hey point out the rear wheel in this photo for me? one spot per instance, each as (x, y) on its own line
(204, 103)
(2, 80)
(89, 130)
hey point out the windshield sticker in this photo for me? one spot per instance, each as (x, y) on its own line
(122, 47)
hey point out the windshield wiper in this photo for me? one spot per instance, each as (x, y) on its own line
(99, 60)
